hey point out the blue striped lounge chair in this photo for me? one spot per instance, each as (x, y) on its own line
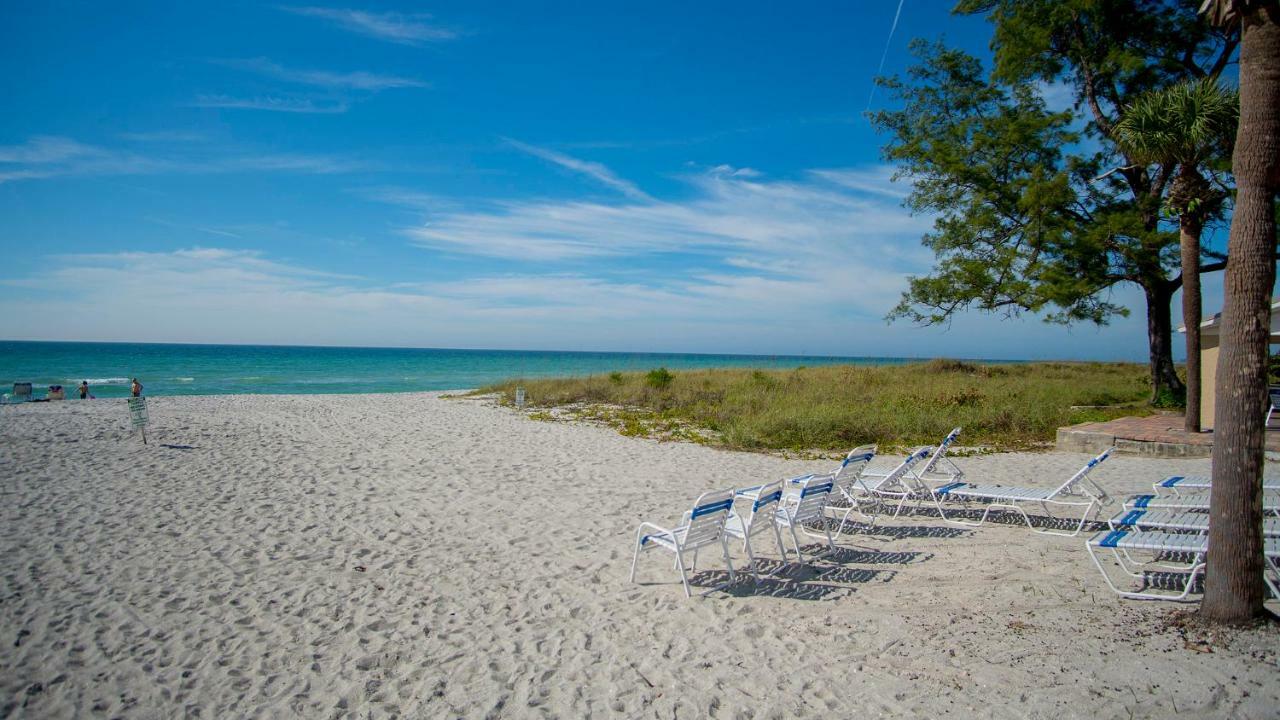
(846, 498)
(1198, 502)
(1199, 483)
(1123, 544)
(940, 467)
(1079, 491)
(899, 484)
(806, 506)
(703, 526)
(753, 512)
(1176, 521)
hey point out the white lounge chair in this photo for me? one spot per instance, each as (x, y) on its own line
(21, 392)
(899, 484)
(1176, 483)
(941, 467)
(1175, 520)
(759, 505)
(1078, 491)
(805, 505)
(1195, 503)
(844, 486)
(703, 526)
(1122, 543)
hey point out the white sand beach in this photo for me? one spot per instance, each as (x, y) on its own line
(416, 556)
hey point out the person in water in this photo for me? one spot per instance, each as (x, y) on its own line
(136, 388)
(84, 390)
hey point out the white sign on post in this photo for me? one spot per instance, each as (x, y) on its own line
(520, 398)
(138, 414)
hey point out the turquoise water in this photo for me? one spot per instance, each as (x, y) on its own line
(240, 369)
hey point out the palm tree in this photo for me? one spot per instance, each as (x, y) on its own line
(1233, 587)
(1185, 125)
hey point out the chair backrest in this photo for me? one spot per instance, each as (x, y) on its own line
(706, 520)
(815, 491)
(22, 391)
(940, 451)
(1086, 485)
(900, 474)
(853, 465)
(1274, 395)
(763, 506)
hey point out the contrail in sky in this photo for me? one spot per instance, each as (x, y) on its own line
(885, 54)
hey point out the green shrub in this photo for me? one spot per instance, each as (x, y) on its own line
(658, 378)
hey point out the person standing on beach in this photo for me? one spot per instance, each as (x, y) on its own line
(84, 390)
(136, 388)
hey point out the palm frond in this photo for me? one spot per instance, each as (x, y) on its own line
(1182, 123)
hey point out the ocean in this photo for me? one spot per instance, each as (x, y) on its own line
(270, 369)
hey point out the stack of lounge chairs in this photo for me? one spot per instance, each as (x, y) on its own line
(1166, 534)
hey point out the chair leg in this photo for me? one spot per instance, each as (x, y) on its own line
(751, 558)
(634, 558)
(683, 578)
(782, 549)
(724, 547)
(795, 540)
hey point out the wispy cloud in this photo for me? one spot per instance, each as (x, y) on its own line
(218, 295)
(358, 80)
(47, 157)
(595, 170)
(269, 103)
(810, 219)
(876, 180)
(164, 136)
(406, 29)
(182, 226)
(45, 149)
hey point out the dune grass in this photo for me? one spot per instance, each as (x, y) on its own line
(833, 408)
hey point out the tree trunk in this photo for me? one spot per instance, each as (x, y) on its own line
(1233, 584)
(1160, 339)
(1190, 227)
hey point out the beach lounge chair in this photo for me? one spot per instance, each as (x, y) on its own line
(1273, 395)
(703, 526)
(753, 513)
(1177, 483)
(804, 506)
(21, 392)
(1175, 520)
(899, 484)
(941, 467)
(1198, 502)
(1078, 491)
(844, 486)
(1122, 543)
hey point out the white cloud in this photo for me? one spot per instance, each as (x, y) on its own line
(44, 149)
(877, 180)
(47, 157)
(406, 29)
(593, 170)
(220, 295)
(731, 171)
(270, 103)
(349, 80)
(787, 221)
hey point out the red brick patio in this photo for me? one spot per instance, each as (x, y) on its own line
(1163, 433)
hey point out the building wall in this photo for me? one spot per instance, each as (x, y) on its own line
(1208, 378)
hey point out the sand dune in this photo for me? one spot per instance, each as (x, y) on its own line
(413, 556)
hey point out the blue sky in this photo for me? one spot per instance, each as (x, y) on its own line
(692, 177)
